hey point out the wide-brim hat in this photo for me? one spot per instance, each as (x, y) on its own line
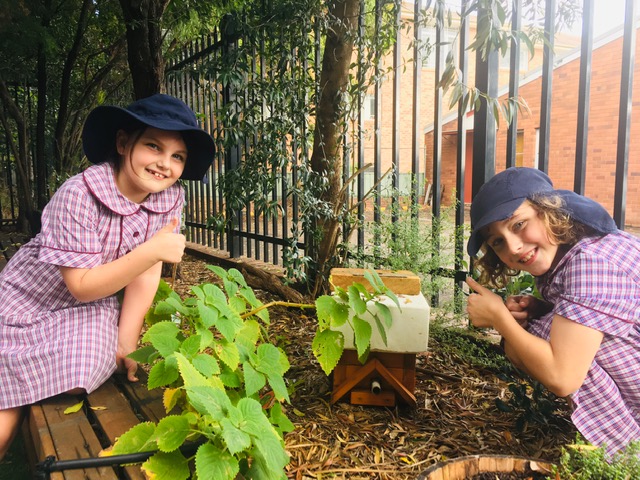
(501, 196)
(159, 111)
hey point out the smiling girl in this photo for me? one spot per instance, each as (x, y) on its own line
(583, 338)
(106, 230)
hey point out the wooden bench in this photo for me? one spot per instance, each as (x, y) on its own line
(106, 414)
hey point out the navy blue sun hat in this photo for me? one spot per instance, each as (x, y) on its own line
(158, 111)
(504, 193)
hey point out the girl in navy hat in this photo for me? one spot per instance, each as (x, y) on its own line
(106, 230)
(583, 339)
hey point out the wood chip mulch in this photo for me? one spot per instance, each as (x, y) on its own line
(456, 413)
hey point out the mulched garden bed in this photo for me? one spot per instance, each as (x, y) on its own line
(456, 414)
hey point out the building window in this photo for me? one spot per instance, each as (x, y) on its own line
(536, 160)
(369, 107)
(447, 44)
(520, 148)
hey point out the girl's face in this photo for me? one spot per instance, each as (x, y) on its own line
(522, 241)
(151, 164)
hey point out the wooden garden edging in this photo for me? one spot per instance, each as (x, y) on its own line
(106, 414)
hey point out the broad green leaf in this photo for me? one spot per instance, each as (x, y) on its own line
(191, 346)
(227, 352)
(264, 436)
(208, 400)
(206, 336)
(170, 398)
(219, 271)
(276, 382)
(171, 432)
(213, 294)
(268, 359)
(235, 275)
(177, 304)
(236, 439)
(356, 302)
(375, 280)
(362, 332)
(142, 354)
(229, 323)
(208, 315)
(229, 377)
(230, 287)
(206, 364)
(137, 439)
(253, 380)
(238, 305)
(325, 305)
(167, 466)
(198, 292)
(163, 337)
(385, 314)
(381, 328)
(190, 375)
(215, 464)
(328, 346)
(280, 420)
(339, 315)
(164, 308)
(249, 295)
(249, 334)
(161, 374)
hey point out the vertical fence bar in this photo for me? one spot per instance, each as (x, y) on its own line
(484, 121)
(584, 96)
(514, 82)
(395, 141)
(624, 115)
(463, 57)
(361, 73)
(416, 134)
(547, 84)
(377, 147)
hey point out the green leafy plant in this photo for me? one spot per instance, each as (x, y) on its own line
(582, 461)
(224, 380)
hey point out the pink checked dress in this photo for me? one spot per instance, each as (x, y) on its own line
(49, 341)
(597, 284)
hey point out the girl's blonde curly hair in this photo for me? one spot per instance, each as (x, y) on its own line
(562, 230)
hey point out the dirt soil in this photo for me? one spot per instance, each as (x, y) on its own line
(456, 413)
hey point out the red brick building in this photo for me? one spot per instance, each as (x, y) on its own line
(602, 135)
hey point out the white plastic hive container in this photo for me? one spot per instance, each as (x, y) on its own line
(409, 331)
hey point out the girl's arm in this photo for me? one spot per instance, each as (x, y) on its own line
(561, 363)
(138, 296)
(89, 284)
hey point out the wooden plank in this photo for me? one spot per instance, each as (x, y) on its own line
(144, 401)
(401, 282)
(115, 417)
(72, 437)
(386, 398)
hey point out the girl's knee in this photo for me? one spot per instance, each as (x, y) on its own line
(9, 424)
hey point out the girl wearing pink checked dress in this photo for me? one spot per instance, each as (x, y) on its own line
(583, 339)
(106, 230)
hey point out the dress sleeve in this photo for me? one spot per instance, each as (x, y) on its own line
(599, 294)
(69, 229)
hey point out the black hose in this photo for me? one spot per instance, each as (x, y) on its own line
(49, 464)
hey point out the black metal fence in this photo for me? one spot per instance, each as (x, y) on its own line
(395, 117)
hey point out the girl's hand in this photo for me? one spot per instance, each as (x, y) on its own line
(526, 307)
(484, 306)
(167, 245)
(126, 365)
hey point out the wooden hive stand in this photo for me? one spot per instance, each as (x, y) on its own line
(389, 374)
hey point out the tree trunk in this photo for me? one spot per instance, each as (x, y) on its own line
(144, 43)
(330, 124)
(21, 154)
